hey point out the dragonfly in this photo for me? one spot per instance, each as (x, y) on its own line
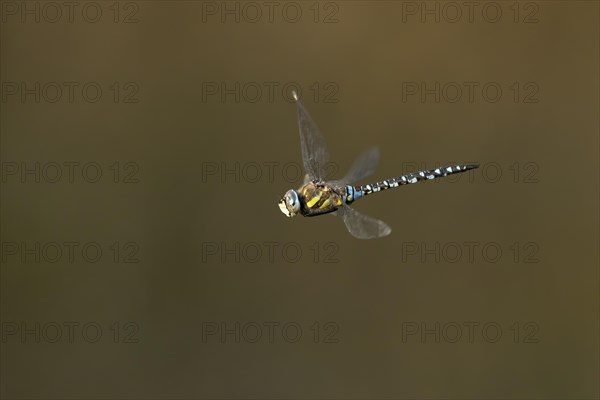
(318, 196)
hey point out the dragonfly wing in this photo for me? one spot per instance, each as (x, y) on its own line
(314, 148)
(363, 166)
(307, 178)
(362, 226)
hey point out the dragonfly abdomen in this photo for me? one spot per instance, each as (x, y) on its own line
(353, 193)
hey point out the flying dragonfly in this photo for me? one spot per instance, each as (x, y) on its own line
(319, 197)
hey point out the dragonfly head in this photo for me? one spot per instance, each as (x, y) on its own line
(290, 204)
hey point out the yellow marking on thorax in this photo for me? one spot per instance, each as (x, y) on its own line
(326, 203)
(314, 199)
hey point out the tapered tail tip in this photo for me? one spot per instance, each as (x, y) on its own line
(472, 166)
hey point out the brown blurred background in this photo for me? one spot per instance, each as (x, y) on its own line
(179, 268)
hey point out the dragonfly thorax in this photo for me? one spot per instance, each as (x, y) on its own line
(319, 198)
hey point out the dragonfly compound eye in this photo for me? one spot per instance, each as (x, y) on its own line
(290, 204)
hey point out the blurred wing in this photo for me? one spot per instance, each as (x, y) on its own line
(363, 166)
(361, 226)
(314, 148)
